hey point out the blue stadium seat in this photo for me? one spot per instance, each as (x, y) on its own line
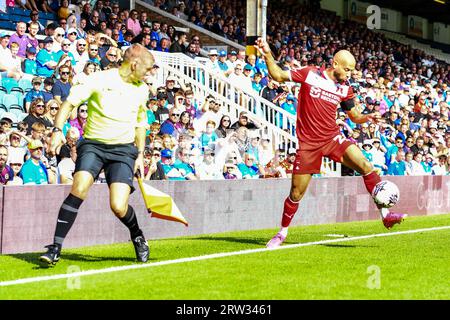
(18, 92)
(4, 16)
(3, 108)
(7, 25)
(3, 91)
(25, 84)
(2, 111)
(19, 11)
(9, 83)
(16, 110)
(15, 18)
(9, 100)
(22, 116)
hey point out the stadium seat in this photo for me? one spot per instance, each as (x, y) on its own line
(9, 100)
(9, 83)
(18, 92)
(17, 111)
(2, 111)
(15, 18)
(7, 25)
(25, 84)
(22, 116)
(3, 108)
(3, 91)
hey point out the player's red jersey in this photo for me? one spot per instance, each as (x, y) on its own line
(318, 100)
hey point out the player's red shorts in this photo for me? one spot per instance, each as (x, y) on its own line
(309, 158)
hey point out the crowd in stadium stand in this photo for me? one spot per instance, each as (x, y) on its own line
(191, 137)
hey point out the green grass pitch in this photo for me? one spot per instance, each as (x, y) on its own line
(403, 266)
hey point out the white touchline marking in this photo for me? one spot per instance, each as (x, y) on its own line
(206, 257)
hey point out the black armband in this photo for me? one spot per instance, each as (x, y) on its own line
(347, 105)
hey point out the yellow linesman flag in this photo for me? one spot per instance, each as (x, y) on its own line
(159, 204)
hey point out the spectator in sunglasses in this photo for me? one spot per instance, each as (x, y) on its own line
(62, 86)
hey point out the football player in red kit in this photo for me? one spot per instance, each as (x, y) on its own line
(322, 92)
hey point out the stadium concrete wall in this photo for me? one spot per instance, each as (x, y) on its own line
(28, 213)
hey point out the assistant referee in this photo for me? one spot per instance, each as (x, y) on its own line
(114, 140)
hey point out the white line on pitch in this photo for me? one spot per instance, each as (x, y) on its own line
(206, 257)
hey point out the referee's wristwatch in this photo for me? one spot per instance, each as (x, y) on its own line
(56, 129)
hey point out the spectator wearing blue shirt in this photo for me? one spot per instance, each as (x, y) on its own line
(169, 125)
(33, 170)
(48, 86)
(34, 93)
(248, 168)
(30, 64)
(61, 88)
(398, 166)
(184, 166)
(65, 50)
(45, 59)
(392, 151)
(256, 82)
(209, 136)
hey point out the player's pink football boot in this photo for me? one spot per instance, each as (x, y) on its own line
(276, 241)
(393, 218)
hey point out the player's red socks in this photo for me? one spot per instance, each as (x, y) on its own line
(371, 180)
(290, 208)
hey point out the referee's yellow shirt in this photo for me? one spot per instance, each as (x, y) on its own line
(115, 107)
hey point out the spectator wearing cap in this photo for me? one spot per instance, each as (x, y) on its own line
(35, 92)
(171, 89)
(47, 91)
(30, 64)
(167, 162)
(239, 80)
(179, 45)
(46, 60)
(6, 123)
(232, 57)
(34, 171)
(366, 150)
(222, 62)
(21, 38)
(244, 121)
(212, 63)
(6, 173)
(440, 168)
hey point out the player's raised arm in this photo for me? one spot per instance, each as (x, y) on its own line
(274, 70)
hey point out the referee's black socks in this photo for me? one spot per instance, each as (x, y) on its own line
(130, 221)
(66, 217)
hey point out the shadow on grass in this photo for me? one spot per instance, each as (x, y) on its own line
(33, 258)
(345, 245)
(255, 241)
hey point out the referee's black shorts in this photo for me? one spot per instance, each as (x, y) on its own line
(116, 159)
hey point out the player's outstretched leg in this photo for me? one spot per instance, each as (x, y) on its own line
(298, 189)
(353, 158)
(66, 217)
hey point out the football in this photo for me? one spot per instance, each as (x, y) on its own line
(386, 194)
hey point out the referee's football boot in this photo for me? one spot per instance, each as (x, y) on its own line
(51, 257)
(141, 248)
